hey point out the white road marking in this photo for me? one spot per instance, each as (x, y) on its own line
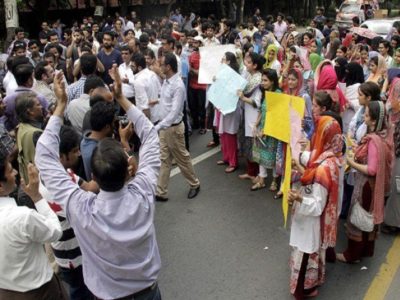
(197, 159)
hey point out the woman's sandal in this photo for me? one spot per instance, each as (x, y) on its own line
(340, 257)
(257, 186)
(278, 195)
(230, 169)
(274, 186)
(221, 163)
(311, 295)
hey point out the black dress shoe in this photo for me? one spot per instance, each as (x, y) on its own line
(161, 199)
(193, 192)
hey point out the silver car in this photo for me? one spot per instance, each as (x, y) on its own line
(382, 27)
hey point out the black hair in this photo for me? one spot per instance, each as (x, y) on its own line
(342, 48)
(397, 39)
(129, 30)
(50, 34)
(273, 77)
(19, 45)
(108, 163)
(23, 103)
(387, 45)
(51, 46)
(3, 165)
(149, 52)
(33, 42)
(125, 48)
(49, 54)
(23, 73)
(96, 98)
(88, 64)
(40, 69)
(233, 63)
(170, 60)
(289, 19)
(68, 31)
(139, 60)
(18, 60)
(144, 38)
(19, 29)
(9, 63)
(91, 83)
(374, 113)
(323, 99)
(102, 114)
(247, 46)
(356, 20)
(308, 34)
(169, 39)
(109, 33)
(371, 89)
(374, 60)
(69, 139)
(258, 60)
(207, 25)
(364, 48)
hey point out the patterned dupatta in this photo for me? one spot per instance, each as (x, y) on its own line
(323, 168)
(383, 140)
(253, 83)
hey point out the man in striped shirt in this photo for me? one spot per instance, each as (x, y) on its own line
(66, 250)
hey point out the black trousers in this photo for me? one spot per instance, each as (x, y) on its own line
(197, 102)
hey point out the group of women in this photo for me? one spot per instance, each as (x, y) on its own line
(350, 160)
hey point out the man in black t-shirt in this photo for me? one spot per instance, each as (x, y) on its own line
(109, 56)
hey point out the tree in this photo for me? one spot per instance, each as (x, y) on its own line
(241, 10)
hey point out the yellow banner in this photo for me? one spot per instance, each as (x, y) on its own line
(278, 125)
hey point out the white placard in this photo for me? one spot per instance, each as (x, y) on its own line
(210, 61)
(11, 13)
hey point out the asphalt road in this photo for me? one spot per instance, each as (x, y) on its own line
(214, 246)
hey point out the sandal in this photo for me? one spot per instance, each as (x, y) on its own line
(221, 163)
(274, 186)
(202, 131)
(230, 169)
(340, 257)
(278, 195)
(257, 186)
(255, 180)
(312, 294)
(246, 176)
(212, 144)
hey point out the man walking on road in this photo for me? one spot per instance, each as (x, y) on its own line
(171, 130)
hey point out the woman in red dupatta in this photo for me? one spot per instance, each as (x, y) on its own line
(325, 79)
(315, 209)
(373, 162)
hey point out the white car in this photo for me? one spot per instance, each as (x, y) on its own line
(381, 27)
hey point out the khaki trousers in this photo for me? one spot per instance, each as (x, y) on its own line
(172, 145)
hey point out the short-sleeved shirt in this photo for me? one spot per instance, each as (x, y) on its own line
(108, 60)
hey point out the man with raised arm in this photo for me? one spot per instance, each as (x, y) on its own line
(115, 228)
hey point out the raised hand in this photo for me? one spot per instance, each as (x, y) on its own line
(61, 94)
(32, 189)
(117, 85)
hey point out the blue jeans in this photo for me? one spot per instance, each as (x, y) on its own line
(77, 288)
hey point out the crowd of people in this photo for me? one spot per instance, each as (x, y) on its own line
(95, 115)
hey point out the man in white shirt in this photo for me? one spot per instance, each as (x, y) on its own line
(138, 27)
(147, 88)
(44, 75)
(280, 27)
(25, 272)
(171, 130)
(78, 107)
(168, 46)
(210, 39)
(125, 71)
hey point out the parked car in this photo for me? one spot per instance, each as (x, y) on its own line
(347, 11)
(382, 27)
